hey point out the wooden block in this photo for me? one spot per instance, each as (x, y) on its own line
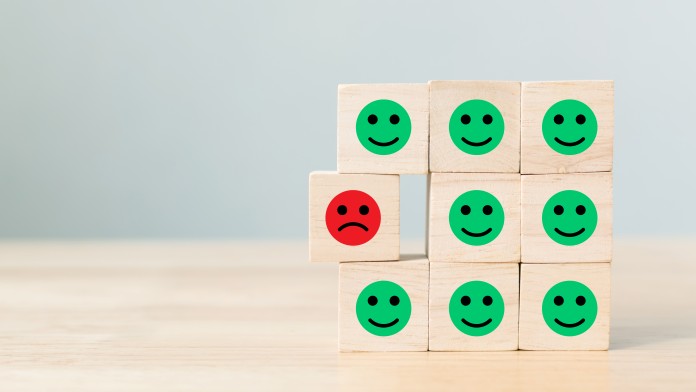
(384, 306)
(564, 306)
(353, 217)
(458, 234)
(571, 236)
(474, 126)
(474, 293)
(553, 144)
(383, 128)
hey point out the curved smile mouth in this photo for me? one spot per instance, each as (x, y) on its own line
(571, 144)
(389, 143)
(564, 234)
(479, 325)
(349, 224)
(387, 325)
(481, 234)
(477, 144)
(573, 325)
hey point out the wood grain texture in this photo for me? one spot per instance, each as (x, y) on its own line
(537, 246)
(323, 187)
(445, 278)
(354, 158)
(255, 315)
(536, 280)
(445, 97)
(537, 98)
(411, 274)
(443, 190)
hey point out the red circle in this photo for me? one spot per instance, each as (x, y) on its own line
(353, 224)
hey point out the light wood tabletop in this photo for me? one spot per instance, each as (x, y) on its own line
(211, 316)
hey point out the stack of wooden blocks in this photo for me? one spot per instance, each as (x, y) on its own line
(519, 215)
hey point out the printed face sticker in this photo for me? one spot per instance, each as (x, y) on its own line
(569, 127)
(476, 308)
(353, 217)
(569, 217)
(383, 127)
(383, 308)
(476, 217)
(569, 308)
(476, 127)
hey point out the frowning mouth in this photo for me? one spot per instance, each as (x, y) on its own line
(381, 144)
(571, 144)
(349, 224)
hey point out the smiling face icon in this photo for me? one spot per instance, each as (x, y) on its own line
(353, 217)
(569, 127)
(569, 217)
(569, 308)
(383, 308)
(476, 217)
(383, 127)
(476, 308)
(476, 127)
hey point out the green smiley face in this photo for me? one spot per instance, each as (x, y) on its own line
(569, 308)
(569, 127)
(383, 127)
(383, 308)
(476, 218)
(476, 308)
(476, 127)
(569, 217)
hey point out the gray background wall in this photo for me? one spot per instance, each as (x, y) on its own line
(202, 119)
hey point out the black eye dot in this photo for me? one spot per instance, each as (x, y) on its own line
(466, 210)
(580, 209)
(372, 119)
(466, 119)
(487, 300)
(394, 300)
(558, 300)
(580, 119)
(372, 300)
(466, 300)
(487, 119)
(558, 210)
(342, 209)
(364, 210)
(558, 119)
(394, 119)
(580, 300)
(487, 210)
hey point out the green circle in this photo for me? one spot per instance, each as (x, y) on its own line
(476, 217)
(383, 127)
(569, 308)
(569, 127)
(377, 310)
(476, 127)
(569, 217)
(476, 308)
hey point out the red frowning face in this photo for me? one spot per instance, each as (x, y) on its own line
(353, 217)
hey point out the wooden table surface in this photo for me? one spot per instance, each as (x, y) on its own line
(206, 316)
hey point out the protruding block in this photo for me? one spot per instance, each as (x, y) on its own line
(384, 306)
(564, 306)
(474, 306)
(383, 128)
(567, 218)
(353, 217)
(567, 127)
(474, 126)
(474, 217)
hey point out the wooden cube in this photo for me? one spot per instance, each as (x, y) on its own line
(384, 306)
(567, 127)
(568, 234)
(553, 316)
(462, 318)
(474, 126)
(383, 128)
(353, 217)
(464, 217)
